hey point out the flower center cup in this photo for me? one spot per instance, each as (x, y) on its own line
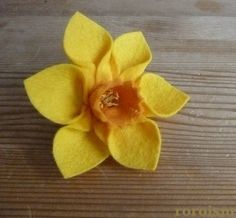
(116, 103)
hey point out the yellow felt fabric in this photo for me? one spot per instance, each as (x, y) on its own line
(87, 43)
(104, 71)
(161, 97)
(76, 152)
(88, 73)
(101, 129)
(136, 146)
(56, 92)
(131, 54)
(84, 121)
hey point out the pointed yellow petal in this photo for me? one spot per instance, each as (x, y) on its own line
(56, 92)
(87, 43)
(76, 152)
(161, 97)
(132, 54)
(136, 146)
(84, 121)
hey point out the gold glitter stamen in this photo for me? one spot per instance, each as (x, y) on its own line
(109, 99)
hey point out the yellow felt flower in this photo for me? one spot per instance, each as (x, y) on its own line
(103, 99)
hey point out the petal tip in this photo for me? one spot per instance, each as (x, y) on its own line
(188, 98)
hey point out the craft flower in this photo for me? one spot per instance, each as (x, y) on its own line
(104, 98)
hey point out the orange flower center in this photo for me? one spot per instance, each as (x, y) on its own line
(116, 103)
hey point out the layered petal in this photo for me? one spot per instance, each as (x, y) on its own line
(131, 54)
(89, 74)
(136, 146)
(57, 92)
(76, 152)
(163, 99)
(104, 71)
(101, 129)
(87, 43)
(84, 121)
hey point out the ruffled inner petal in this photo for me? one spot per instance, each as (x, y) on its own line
(116, 103)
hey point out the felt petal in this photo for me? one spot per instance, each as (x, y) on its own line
(104, 71)
(85, 41)
(101, 129)
(136, 146)
(57, 92)
(88, 73)
(76, 152)
(132, 54)
(161, 97)
(83, 121)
